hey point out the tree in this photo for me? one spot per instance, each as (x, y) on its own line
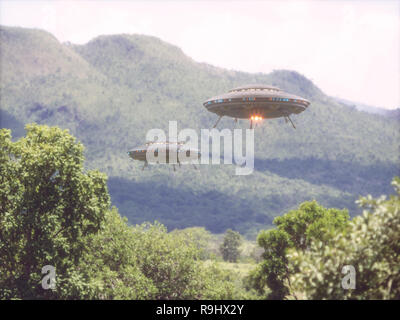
(200, 237)
(296, 229)
(146, 262)
(109, 267)
(230, 246)
(370, 244)
(48, 206)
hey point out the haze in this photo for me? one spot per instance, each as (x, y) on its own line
(349, 49)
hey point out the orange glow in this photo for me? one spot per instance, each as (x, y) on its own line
(256, 118)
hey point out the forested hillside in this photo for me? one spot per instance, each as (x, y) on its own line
(112, 90)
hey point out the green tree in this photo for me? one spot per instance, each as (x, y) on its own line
(147, 262)
(169, 260)
(109, 267)
(230, 246)
(371, 244)
(48, 204)
(296, 229)
(200, 237)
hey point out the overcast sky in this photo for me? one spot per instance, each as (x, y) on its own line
(348, 49)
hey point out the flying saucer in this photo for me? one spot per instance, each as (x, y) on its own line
(165, 153)
(256, 102)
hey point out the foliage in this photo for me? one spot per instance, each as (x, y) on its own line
(209, 245)
(200, 237)
(147, 262)
(230, 246)
(296, 229)
(144, 262)
(371, 244)
(109, 267)
(227, 280)
(48, 206)
(169, 260)
(170, 197)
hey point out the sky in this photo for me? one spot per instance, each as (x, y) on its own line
(349, 49)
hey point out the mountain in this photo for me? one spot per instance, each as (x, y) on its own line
(112, 90)
(395, 113)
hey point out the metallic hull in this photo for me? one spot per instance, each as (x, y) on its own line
(265, 109)
(165, 155)
(261, 100)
